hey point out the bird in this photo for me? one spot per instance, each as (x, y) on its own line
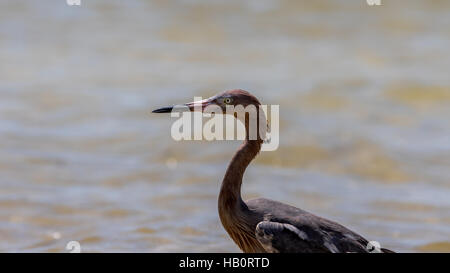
(262, 225)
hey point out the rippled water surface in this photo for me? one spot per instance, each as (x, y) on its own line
(364, 95)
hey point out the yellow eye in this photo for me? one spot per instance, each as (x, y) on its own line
(227, 100)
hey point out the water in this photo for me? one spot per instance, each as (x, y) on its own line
(364, 97)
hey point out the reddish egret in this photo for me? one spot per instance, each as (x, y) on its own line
(263, 225)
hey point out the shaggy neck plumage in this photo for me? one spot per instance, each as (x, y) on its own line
(232, 209)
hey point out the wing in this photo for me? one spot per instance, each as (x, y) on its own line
(284, 238)
(289, 229)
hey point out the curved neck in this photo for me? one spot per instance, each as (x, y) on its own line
(233, 212)
(230, 201)
(230, 193)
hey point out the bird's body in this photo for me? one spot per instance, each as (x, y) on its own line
(276, 227)
(262, 225)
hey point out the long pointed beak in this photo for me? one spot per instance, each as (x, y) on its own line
(191, 106)
(167, 109)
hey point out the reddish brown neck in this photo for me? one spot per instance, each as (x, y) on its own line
(230, 201)
(230, 192)
(233, 212)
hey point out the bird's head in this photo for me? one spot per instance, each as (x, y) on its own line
(234, 98)
(241, 104)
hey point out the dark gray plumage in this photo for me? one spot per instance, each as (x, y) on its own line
(289, 229)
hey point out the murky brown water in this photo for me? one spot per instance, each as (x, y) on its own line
(364, 95)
